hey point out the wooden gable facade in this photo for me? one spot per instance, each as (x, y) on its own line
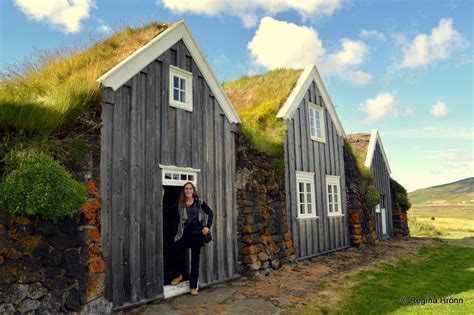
(377, 161)
(147, 144)
(314, 169)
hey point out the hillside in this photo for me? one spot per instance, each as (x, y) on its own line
(459, 192)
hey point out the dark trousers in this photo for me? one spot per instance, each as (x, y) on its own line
(177, 258)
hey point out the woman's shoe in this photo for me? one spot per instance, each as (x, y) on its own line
(177, 280)
(194, 292)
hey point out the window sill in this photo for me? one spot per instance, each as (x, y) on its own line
(308, 218)
(179, 105)
(318, 140)
(335, 216)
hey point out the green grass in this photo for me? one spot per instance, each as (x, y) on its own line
(59, 86)
(454, 224)
(435, 271)
(460, 192)
(442, 270)
(257, 100)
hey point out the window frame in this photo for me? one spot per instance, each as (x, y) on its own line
(188, 77)
(334, 181)
(306, 178)
(179, 171)
(317, 108)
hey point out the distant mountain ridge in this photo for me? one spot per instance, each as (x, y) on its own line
(455, 193)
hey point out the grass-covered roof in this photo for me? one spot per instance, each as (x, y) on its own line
(257, 100)
(360, 144)
(58, 87)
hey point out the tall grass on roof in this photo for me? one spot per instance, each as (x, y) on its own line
(257, 100)
(59, 86)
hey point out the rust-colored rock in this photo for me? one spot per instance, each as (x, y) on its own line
(95, 286)
(96, 265)
(91, 234)
(263, 256)
(28, 245)
(250, 249)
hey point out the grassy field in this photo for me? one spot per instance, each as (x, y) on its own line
(445, 269)
(438, 271)
(454, 223)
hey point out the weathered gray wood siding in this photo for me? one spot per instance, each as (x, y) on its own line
(140, 131)
(314, 236)
(382, 183)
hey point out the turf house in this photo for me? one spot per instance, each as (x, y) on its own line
(288, 116)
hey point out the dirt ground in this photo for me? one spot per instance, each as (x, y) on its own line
(288, 289)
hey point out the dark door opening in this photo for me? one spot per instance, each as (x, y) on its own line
(170, 226)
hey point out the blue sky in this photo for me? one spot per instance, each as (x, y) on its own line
(403, 67)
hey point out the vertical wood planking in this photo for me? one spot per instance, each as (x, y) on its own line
(228, 209)
(165, 151)
(292, 183)
(158, 278)
(150, 181)
(135, 202)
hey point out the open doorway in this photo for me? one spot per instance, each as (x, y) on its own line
(173, 179)
(170, 226)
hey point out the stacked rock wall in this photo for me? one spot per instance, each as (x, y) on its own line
(48, 267)
(264, 239)
(399, 216)
(361, 218)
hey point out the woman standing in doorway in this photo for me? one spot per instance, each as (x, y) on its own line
(190, 234)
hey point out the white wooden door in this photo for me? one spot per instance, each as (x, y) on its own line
(384, 222)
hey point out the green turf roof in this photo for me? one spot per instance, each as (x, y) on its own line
(359, 143)
(257, 100)
(57, 88)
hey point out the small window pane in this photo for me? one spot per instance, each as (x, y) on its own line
(191, 177)
(176, 94)
(183, 97)
(308, 187)
(176, 176)
(336, 209)
(183, 84)
(329, 197)
(175, 82)
(301, 208)
(308, 198)
(167, 175)
(309, 208)
(301, 187)
(318, 131)
(329, 189)
(301, 197)
(335, 190)
(183, 177)
(330, 207)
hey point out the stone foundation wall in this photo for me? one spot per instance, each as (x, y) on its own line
(361, 218)
(48, 267)
(265, 242)
(399, 217)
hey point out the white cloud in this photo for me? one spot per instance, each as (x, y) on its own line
(251, 11)
(371, 34)
(65, 14)
(383, 105)
(342, 63)
(439, 109)
(104, 29)
(279, 44)
(425, 49)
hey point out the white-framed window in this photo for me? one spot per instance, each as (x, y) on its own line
(181, 88)
(178, 176)
(333, 189)
(316, 122)
(306, 201)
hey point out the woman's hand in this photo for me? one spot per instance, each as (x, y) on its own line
(205, 230)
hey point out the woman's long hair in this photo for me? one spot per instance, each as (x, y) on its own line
(182, 197)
